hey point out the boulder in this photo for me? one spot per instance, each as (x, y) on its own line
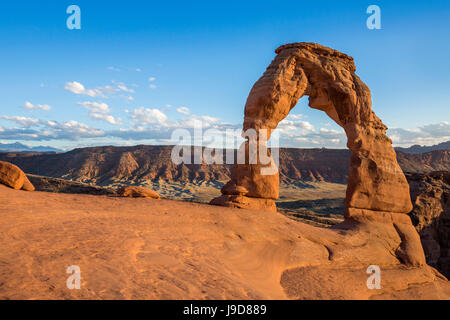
(137, 192)
(12, 176)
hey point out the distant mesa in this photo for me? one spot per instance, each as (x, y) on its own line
(135, 165)
(19, 147)
(12, 176)
(423, 149)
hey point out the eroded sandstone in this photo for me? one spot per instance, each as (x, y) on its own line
(12, 176)
(328, 77)
(377, 190)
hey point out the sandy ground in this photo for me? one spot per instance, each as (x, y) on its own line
(165, 249)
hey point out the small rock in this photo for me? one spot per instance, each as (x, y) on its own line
(137, 192)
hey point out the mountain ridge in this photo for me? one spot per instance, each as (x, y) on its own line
(20, 147)
(424, 149)
(109, 165)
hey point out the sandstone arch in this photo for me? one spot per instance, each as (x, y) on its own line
(377, 188)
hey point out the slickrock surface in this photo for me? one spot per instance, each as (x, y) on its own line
(430, 195)
(149, 249)
(137, 192)
(12, 176)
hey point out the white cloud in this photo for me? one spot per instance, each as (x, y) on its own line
(121, 86)
(100, 111)
(145, 116)
(295, 132)
(195, 121)
(152, 86)
(429, 134)
(124, 88)
(74, 130)
(183, 110)
(97, 107)
(23, 121)
(37, 129)
(28, 105)
(151, 79)
(106, 117)
(78, 88)
(295, 116)
(441, 129)
(294, 124)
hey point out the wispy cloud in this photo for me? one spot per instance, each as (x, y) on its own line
(106, 117)
(111, 68)
(144, 116)
(28, 105)
(124, 88)
(154, 124)
(40, 130)
(23, 121)
(183, 110)
(425, 135)
(78, 88)
(100, 111)
(97, 107)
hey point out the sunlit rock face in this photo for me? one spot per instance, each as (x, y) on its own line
(328, 77)
(377, 190)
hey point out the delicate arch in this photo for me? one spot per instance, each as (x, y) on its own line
(376, 182)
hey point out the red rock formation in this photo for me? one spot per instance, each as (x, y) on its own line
(12, 176)
(377, 190)
(137, 192)
(376, 181)
(430, 194)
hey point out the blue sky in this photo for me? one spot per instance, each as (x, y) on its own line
(137, 70)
